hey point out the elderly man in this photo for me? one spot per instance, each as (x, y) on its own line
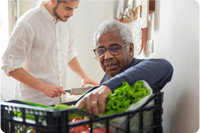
(115, 50)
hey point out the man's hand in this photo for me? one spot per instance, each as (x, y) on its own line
(24, 77)
(95, 100)
(87, 80)
(75, 67)
(53, 90)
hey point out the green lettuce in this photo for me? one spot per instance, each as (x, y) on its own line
(124, 96)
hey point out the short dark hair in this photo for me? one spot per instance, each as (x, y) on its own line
(64, 1)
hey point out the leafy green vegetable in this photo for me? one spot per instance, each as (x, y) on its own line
(71, 115)
(124, 96)
(35, 104)
(56, 107)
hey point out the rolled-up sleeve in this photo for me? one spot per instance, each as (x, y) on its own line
(19, 46)
(71, 51)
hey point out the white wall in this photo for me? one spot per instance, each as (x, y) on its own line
(24, 5)
(183, 92)
(175, 30)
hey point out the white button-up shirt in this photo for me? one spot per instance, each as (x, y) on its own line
(43, 48)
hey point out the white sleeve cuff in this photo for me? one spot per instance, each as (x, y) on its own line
(71, 55)
(11, 66)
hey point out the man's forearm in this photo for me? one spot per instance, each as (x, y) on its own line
(76, 68)
(25, 78)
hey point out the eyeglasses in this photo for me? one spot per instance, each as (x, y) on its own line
(114, 50)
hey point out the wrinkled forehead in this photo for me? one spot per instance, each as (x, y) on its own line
(108, 39)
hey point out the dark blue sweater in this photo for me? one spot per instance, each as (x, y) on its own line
(156, 72)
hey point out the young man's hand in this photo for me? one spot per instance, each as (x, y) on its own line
(88, 81)
(53, 90)
(95, 100)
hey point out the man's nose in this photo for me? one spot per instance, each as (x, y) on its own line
(108, 55)
(71, 13)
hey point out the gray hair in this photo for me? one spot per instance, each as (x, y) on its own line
(113, 26)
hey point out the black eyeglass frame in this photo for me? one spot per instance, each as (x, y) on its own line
(109, 51)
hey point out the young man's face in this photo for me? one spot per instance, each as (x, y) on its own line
(64, 10)
(113, 65)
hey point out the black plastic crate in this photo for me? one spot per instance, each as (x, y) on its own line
(56, 121)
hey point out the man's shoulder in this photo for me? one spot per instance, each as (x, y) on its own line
(147, 61)
(136, 61)
(29, 16)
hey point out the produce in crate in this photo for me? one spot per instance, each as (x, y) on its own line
(85, 129)
(97, 130)
(125, 98)
(116, 102)
(138, 96)
(56, 107)
(78, 129)
(122, 98)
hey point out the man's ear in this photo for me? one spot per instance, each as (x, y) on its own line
(131, 50)
(53, 2)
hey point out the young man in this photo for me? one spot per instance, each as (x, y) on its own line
(114, 48)
(40, 50)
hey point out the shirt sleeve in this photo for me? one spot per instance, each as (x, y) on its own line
(71, 51)
(156, 72)
(19, 46)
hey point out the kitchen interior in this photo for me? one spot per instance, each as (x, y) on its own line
(171, 32)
